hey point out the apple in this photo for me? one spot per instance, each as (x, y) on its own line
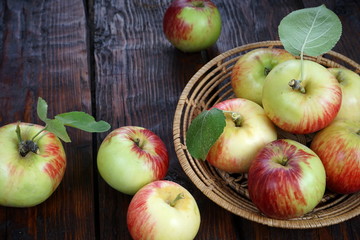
(163, 210)
(286, 179)
(192, 25)
(130, 157)
(246, 131)
(305, 106)
(250, 71)
(350, 86)
(29, 176)
(338, 146)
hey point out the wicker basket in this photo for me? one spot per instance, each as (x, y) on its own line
(211, 84)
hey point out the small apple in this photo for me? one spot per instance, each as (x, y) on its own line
(250, 71)
(192, 25)
(247, 130)
(163, 210)
(305, 106)
(131, 157)
(350, 86)
(286, 179)
(338, 146)
(28, 176)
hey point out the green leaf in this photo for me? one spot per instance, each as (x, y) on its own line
(57, 127)
(41, 109)
(310, 31)
(203, 132)
(82, 121)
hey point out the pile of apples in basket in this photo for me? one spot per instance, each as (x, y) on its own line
(278, 89)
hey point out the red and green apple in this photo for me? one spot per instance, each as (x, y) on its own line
(192, 25)
(250, 71)
(338, 146)
(130, 157)
(29, 172)
(163, 210)
(286, 179)
(247, 130)
(298, 105)
(350, 86)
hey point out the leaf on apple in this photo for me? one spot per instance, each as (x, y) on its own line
(57, 127)
(310, 31)
(41, 109)
(203, 132)
(82, 121)
(79, 120)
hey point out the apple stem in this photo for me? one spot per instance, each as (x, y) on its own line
(18, 132)
(283, 161)
(236, 117)
(198, 4)
(26, 146)
(178, 197)
(138, 142)
(296, 85)
(266, 71)
(339, 76)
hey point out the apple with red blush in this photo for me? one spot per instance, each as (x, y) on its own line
(163, 210)
(247, 130)
(286, 179)
(192, 25)
(28, 178)
(350, 86)
(301, 101)
(249, 72)
(338, 146)
(32, 157)
(130, 157)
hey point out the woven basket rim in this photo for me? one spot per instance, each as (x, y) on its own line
(207, 186)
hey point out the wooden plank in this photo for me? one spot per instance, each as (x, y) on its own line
(139, 78)
(44, 53)
(251, 21)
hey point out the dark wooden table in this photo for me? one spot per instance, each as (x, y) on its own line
(110, 58)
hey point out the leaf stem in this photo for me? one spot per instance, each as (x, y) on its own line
(18, 132)
(33, 138)
(178, 197)
(302, 66)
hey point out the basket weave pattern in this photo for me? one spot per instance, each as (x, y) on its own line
(210, 85)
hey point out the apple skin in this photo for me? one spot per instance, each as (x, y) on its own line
(297, 112)
(30, 180)
(350, 86)
(150, 215)
(238, 145)
(338, 146)
(250, 71)
(286, 179)
(192, 25)
(130, 157)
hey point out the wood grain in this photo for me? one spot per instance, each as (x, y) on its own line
(139, 74)
(110, 58)
(44, 53)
